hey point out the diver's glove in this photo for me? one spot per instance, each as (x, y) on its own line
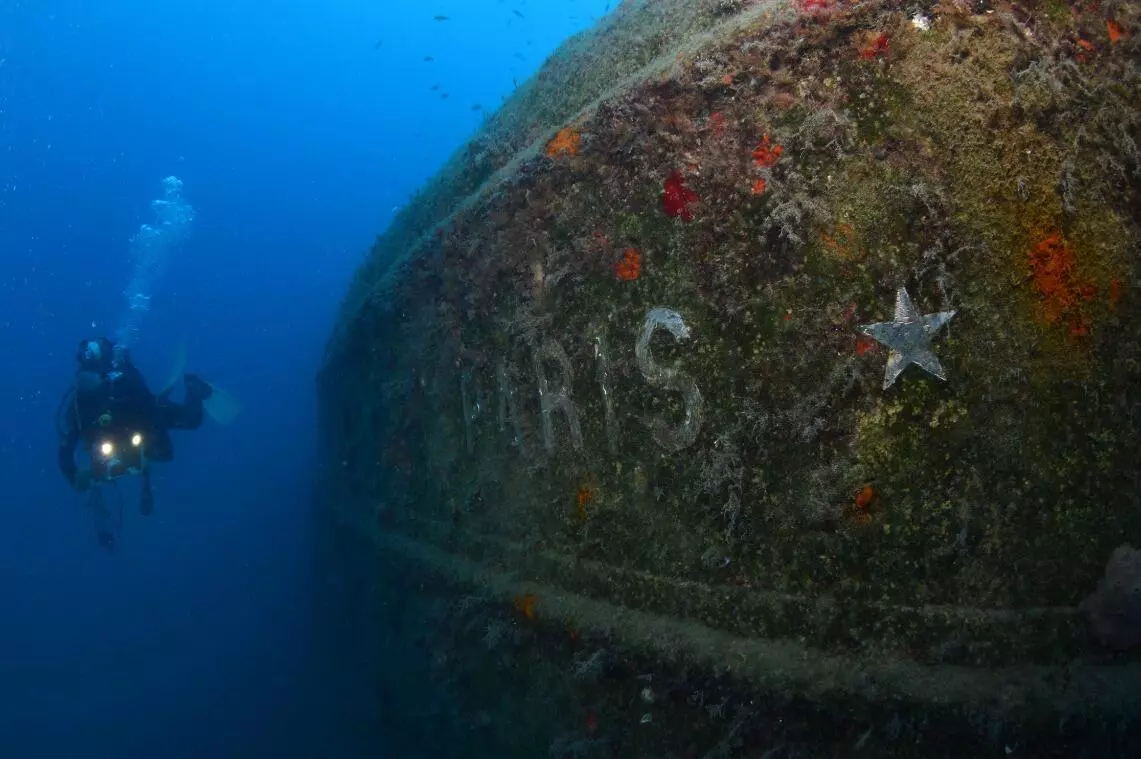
(197, 389)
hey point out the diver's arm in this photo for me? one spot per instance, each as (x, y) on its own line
(132, 385)
(67, 455)
(188, 414)
(132, 391)
(67, 427)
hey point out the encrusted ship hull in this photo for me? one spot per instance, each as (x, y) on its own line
(764, 380)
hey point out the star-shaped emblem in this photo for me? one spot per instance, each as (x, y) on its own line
(908, 336)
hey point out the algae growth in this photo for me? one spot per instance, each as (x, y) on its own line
(614, 366)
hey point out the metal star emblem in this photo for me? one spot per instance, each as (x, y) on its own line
(908, 336)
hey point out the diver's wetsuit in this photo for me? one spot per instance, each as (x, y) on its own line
(118, 401)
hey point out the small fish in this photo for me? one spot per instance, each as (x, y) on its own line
(517, 13)
(428, 59)
(378, 44)
(439, 18)
(477, 107)
(520, 56)
(435, 87)
(444, 95)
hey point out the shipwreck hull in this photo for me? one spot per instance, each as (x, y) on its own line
(610, 437)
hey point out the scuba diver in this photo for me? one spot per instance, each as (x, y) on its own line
(121, 423)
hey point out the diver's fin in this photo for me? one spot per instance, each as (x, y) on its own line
(177, 369)
(222, 407)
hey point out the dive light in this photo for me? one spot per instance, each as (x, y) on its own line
(107, 448)
(112, 457)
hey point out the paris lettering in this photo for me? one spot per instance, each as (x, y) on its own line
(907, 336)
(553, 376)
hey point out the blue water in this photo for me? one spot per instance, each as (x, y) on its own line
(298, 128)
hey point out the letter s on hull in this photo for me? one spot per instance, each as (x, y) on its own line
(670, 378)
